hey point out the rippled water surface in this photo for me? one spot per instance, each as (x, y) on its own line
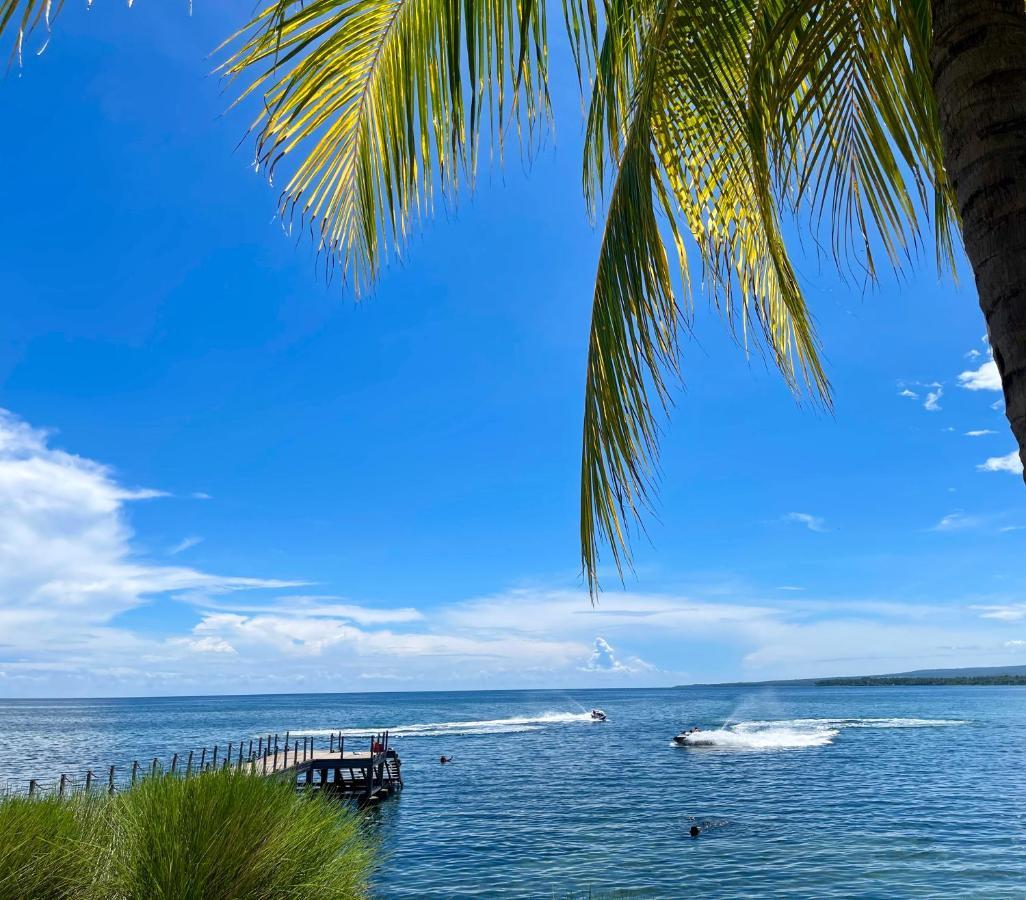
(800, 791)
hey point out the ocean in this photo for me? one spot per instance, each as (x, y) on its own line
(800, 791)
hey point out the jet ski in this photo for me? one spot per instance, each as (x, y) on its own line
(693, 737)
(598, 715)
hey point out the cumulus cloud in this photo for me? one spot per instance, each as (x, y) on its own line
(985, 378)
(604, 659)
(907, 394)
(1008, 463)
(72, 583)
(67, 565)
(932, 401)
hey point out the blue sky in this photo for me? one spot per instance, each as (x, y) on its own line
(220, 474)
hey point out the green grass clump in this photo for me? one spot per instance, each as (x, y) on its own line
(223, 835)
(217, 836)
(48, 847)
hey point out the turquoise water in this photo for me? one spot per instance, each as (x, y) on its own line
(803, 792)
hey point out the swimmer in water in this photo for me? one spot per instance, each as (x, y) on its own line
(444, 759)
(695, 831)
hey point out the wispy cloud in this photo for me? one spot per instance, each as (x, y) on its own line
(1008, 463)
(958, 521)
(184, 544)
(813, 523)
(907, 394)
(979, 432)
(1006, 612)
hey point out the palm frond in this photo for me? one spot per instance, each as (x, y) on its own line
(22, 17)
(753, 110)
(383, 101)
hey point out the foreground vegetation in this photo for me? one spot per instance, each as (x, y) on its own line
(219, 835)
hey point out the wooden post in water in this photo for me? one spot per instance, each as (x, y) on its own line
(64, 781)
(33, 787)
(174, 764)
(228, 755)
(213, 762)
(110, 781)
(153, 768)
(203, 758)
(188, 767)
(370, 771)
(135, 771)
(89, 780)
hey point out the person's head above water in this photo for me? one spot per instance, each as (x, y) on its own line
(695, 831)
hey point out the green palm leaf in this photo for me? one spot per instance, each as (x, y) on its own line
(383, 101)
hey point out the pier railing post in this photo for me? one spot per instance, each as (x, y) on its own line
(239, 766)
(331, 742)
(285, 761)
(274, 768)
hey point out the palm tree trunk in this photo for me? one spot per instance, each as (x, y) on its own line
(979, 76)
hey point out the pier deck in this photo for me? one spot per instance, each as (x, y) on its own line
(368, 775)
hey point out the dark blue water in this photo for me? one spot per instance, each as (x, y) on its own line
(802, 792)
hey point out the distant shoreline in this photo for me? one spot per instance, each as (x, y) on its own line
(889, 681)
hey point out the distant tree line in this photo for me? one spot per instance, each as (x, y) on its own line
(886, 680)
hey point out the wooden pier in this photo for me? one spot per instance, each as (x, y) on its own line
(365, 769)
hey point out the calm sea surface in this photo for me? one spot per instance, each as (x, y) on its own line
(805, 792)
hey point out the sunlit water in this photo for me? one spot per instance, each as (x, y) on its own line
(800, 792)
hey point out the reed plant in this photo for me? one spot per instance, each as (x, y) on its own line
(217, 836)
(48, 847)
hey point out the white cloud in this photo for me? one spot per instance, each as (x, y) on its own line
(985, 378)
(200, 495)
(813, 523)
(957, 521)
(184, 544)
(1008, 463)
(1006, 612)
(66, 558)
(973, 354)
(932, 402)
(910, 395)
(979, 432)
(604, 659)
